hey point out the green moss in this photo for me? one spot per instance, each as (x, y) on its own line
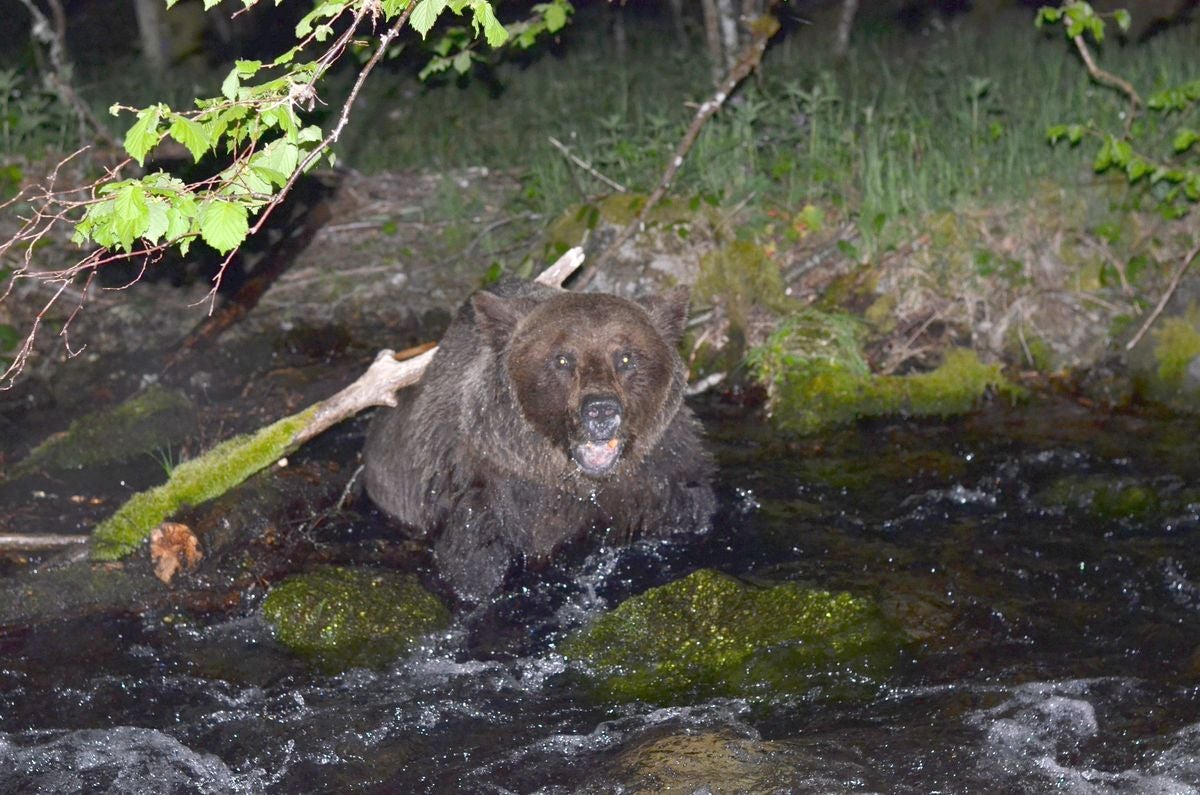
(816, 377)
(740, 276)
(1176, 344)
(152, 420)
(340, 617)
(709, 634)
(1108, 497)
(193, 482)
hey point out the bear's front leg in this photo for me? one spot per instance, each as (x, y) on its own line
(473, 555)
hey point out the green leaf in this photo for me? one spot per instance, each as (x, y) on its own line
(1137, 168)
(462, 62)
(247, 68)
(159, 223)
(192, 134)
(1123, 20)
(1184, 139)
(484, 17)
(144, 135)
(131, 216)
(223, 225)
(556, 17)
(231, 84)
(425, 14)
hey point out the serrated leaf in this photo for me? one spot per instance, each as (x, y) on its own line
(247, 68)
(425, 14)
(485, 17)
(1055, 132)
(462, 62)
(208, 4)
(130, 216)
(272, 176)
(223, 224)
(192, 134)
(157, 227)
(178, 224)
(144, 135)
(1123, 20)
(231, 84)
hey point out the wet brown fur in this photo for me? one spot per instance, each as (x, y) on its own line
(479, 457)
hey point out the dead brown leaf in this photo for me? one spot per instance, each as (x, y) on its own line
(173, 545)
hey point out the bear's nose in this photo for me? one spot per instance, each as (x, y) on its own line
(601, 416)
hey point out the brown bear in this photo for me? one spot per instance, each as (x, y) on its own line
(545, 415)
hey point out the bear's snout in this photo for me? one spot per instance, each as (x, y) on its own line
(601, 416)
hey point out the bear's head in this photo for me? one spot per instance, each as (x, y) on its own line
(596, 375)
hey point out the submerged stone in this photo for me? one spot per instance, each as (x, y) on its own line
(712, 635)
(339, 617)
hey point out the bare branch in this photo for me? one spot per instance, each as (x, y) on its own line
(1166, 296)
(763, 29)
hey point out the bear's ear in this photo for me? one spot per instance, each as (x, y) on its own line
(496, 317)
(669, 312)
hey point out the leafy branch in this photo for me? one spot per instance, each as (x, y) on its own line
(256, 127)
(1173, 178)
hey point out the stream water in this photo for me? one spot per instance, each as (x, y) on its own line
(1044, 559)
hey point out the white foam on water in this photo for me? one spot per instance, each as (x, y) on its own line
(1036, 740)
(124, 759)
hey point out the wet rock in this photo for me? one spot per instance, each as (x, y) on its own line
(1166, 363)
(340, 617)
(150, 423)
(709, 634)
(720, 762)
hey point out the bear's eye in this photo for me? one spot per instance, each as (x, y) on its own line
(564, 361)
(624, 362)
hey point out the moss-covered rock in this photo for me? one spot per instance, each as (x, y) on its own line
(709, 634)
(740, 276)
(339, 617)
(1110, 497)
(817, 377)
(150, 422)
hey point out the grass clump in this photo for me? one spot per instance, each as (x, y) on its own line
(193, 482)
(339, 617)
(709, 634)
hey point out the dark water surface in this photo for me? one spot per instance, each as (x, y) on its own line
(1044, 559)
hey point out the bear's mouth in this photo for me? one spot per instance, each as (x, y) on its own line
(597, 458)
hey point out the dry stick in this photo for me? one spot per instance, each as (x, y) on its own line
(1166, 296)
(1108, 78)
(585, 165)
(764, 28)
(378, 385)
(39, 541)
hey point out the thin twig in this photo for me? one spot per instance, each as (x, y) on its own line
(764, 28)
(1166, 296)
(38, 541)
(1105, 77)
(585, 165)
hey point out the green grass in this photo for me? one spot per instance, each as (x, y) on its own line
(907, 126)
